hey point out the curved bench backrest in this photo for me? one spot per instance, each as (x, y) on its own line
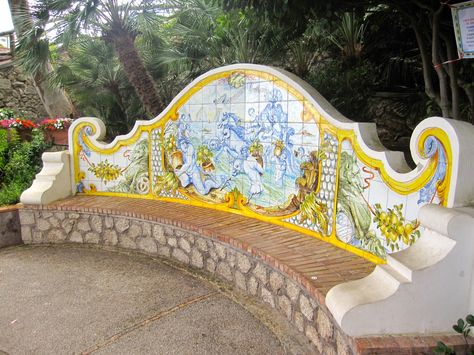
(258, 141)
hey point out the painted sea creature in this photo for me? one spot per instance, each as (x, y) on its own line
(190, 173)
(231, 136)
(433, 149)
(252, 170)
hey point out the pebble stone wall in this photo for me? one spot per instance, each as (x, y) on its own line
(248, 273)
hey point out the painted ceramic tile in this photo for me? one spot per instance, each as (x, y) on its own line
(196, 98)
(380, 221)
(208, 94)
(246, 146)
(125, 171)
(237, 88)
(295, 111)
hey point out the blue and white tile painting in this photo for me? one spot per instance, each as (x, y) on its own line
(256, 144)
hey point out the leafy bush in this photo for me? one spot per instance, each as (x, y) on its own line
(6, 113)
(347, 88)
(19, 162)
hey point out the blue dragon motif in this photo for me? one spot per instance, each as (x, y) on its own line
(432, 148)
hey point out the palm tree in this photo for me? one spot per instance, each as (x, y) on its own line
(93, 75)
(118, 24)
(205, 36)
(349, 36)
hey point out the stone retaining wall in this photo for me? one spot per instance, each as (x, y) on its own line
(9, 226)
(18, 92)
(251, 275)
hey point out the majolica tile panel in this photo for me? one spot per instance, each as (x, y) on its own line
(247, 141)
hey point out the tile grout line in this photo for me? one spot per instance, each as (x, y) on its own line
(147, 321)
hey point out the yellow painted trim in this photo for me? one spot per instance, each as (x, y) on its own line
(444, 139)
(402, 188)
(333, 235)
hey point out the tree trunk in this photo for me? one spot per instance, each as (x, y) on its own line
(469, 91)
(115, 91)
(435, 56)
(55, 100)
(136, 72)
(453, 76)
(426, 64)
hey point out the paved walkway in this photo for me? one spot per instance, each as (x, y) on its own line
(78, 299)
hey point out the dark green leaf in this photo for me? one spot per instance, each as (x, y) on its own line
(457, 329)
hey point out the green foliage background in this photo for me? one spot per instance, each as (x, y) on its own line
(350, 51)
(341, 54)
(20, 161)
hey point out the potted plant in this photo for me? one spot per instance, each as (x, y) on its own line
(175, 154)
(204, 156)
(56, 129)
(22, 126)
(256, 150)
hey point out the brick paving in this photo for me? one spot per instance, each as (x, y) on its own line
(316, 264)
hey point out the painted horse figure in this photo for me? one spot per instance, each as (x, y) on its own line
(233, 141)
(190, 173)
(231, 136)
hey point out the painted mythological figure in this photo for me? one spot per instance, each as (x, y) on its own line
(191, 173)
(234, 139)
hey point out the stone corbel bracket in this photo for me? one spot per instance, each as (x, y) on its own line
(53, 182)
(424, 288)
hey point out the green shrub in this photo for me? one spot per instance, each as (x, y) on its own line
(19, 163)
(462, 327)
(345, 87)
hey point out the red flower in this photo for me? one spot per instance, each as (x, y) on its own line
(53, 124)
(18, 123)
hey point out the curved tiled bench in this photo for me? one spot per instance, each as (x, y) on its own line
(257, 141)
(287, 270)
